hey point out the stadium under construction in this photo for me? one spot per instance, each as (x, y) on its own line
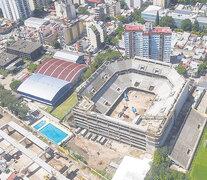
(135, 102)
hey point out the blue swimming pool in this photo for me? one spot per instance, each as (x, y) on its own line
(40, 124)
(54, 133)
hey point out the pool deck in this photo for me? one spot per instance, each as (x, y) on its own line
(48, 121)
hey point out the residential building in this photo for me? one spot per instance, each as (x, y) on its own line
(134, 4)
(79, 2)
(113, 8)
(65, 9)
(48, 33)
(15, 9)
(96, 34)
(161, 3)
(99, 13)
(179, 14)
(34, 4)
(147, 41)
(70, 32)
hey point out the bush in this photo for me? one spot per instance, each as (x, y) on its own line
(32, 67)
(15, 84)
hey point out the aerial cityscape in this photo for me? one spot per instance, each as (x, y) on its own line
(103, 89)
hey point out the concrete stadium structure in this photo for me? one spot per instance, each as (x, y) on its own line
(103, 92)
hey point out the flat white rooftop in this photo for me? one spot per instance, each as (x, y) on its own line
(132, 169)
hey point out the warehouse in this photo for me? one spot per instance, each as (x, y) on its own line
(69, 56)
(61, 69)
(34, 22)
(36, 87)
(26, 49)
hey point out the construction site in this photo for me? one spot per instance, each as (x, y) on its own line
(135, 102)
(134, 98)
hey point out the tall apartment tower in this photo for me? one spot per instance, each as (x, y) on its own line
(65, 9)
(15, 9)
(96, 34)
(134, 4)
(147, 41)
(34, 4)
(99, 13)
(113, 8)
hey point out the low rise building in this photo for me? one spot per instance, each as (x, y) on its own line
(26, 49)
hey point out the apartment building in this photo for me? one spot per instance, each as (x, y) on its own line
(65, 9)
(147, 41)
(15, 9)
(34, 4)
(70, 32)
(113, 8)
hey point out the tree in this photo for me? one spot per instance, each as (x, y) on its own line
(186, 25)
(38, 12)
(55, 44)
(32, 67)
(123, 4)
(122, 18)
(157, 20)
(195, 26)
(15, 84)
(160, 169)
(82, 10)
(167, 21)
(181, 70)
(201, 69)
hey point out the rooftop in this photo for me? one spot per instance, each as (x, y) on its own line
(161, 30)
(6, 58)
(187, 141)
(24, 46)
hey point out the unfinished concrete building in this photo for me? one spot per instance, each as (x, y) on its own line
(135, 102)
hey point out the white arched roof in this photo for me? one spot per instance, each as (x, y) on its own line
(43, 87)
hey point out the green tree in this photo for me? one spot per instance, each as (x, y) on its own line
(186, 25)
(15, 84)
(122, 18)
(38, 12)
(123, 4)
(167, 21)
(82, 10)
(181, 70)
(201, 69)
(157, 20)
(195, 26)
(32, 67)
(55, 44)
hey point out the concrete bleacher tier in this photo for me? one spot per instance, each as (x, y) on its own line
(188, 139)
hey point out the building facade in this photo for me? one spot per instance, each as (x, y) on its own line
(113, 9)
(161, 3)
(134, 4)
(15, 9)
(69, 33)
(147, 41)
(34, 4)
(99, 13)
(96, 34)
(65, 9)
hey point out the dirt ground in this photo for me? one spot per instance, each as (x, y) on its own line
(138, 99)
(99, 156)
